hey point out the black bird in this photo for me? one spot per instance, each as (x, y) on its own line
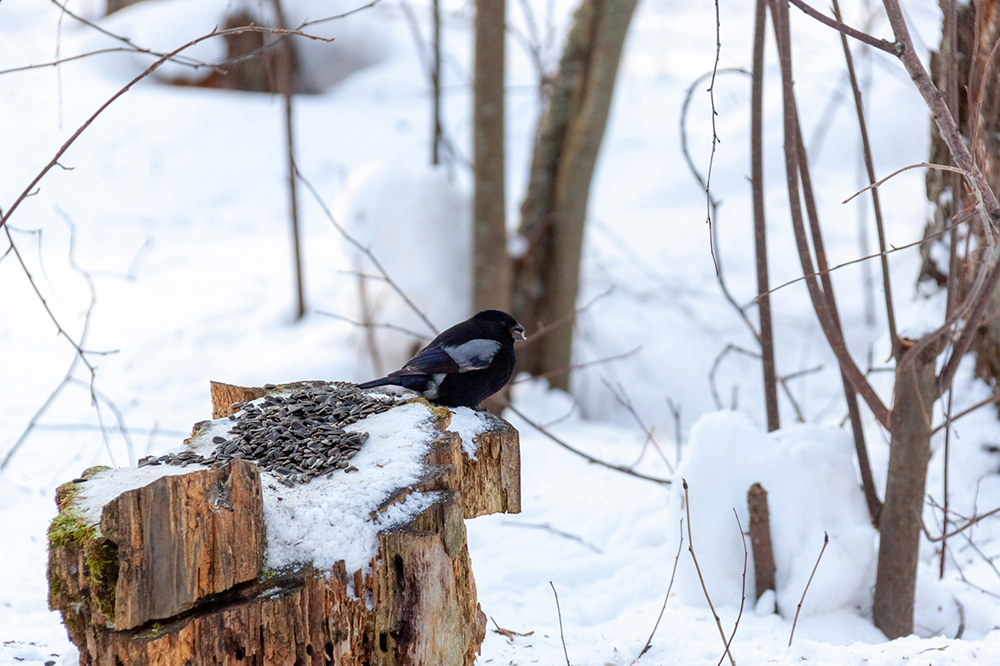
(464, 365)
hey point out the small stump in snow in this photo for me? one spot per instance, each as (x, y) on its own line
(295, 558)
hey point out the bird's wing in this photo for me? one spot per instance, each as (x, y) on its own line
(472, 355)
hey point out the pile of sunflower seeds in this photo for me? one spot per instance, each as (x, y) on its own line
(295, 437)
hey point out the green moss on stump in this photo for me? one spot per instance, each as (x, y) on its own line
(72, 533)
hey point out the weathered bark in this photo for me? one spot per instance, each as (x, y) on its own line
(902, 511)
(976, 32)
(173, 573)
(224, 396)
(760, 539)
(491, 265)
(170, 558)
(554, 210)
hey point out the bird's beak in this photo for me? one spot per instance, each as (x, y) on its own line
(518, 333)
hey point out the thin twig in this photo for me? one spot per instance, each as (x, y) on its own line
(715, 367)
(60, 61)
(366, 251)
(373, 324)
(705, 181)
(666, 597)
(326, 19)
(895, 248)
(967, 525)
(78, 347)
(743, 589)
(562, 637)
(622, 398)
(183, 60)
(826, 540)
(881, 44)
(718, 622)
(149, 70)
(947, 456)
(715, 135)
(566, 319)
(890, 310)
(577, 366)
(921, 165)
(548, 528)
(965, 412)
(588, 458)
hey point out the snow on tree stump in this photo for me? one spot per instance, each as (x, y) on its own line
(223, 565)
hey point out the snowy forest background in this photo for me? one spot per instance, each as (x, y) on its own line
(160, 243)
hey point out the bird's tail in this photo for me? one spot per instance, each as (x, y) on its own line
(376, 382)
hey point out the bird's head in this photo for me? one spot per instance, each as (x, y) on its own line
(516, 330)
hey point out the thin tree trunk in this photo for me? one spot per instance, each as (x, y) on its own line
(901, 519)
(436, 82)
(566, 147)
(284, 64)
(491, 276)
(759, 223)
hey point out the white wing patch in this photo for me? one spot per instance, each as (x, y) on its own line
(431, 392)
(474, 354)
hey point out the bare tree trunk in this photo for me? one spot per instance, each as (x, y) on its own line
(284, 65)
(491, 274)
(759, 222)
(566, 147)
(436, 82)
(901, 518)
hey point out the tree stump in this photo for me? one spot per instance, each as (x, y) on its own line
(165, 565)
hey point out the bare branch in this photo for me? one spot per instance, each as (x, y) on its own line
(959, 530)
(718, 622)
(588, 458)
(715, 134)
(183, 60)
(578, 366)
(28, 191)
(881, 44)
(876, 205)
(366, 251)
(877, 184)
(566, 319)
(548, 528)
(826, 540)
(743, 588)
(982, 403)
(621, 397)
(374, 324)
(562, 637)
(666, 597)
(865, 258)
(795, 169)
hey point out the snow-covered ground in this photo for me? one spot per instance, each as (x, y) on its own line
(174, 202)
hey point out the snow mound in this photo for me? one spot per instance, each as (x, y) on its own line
(417, 223)
(809, 475)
